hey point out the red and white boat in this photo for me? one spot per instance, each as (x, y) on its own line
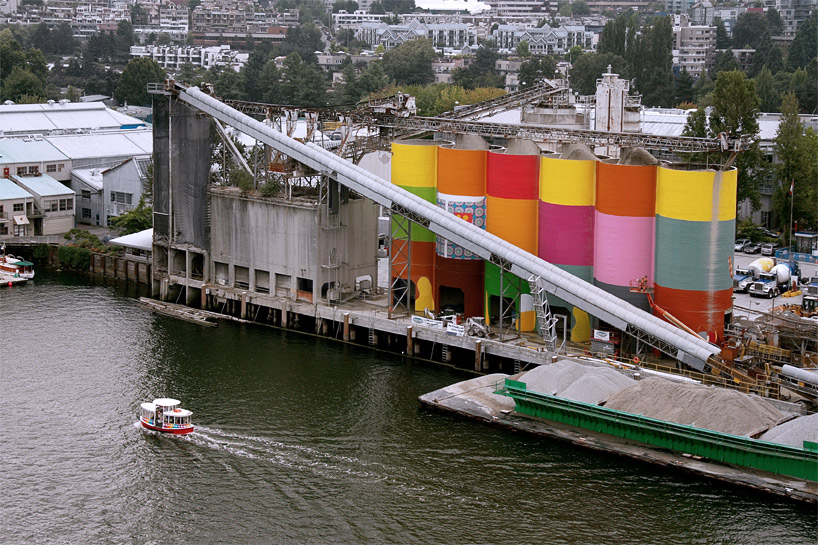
(164, 415)
(14, 266)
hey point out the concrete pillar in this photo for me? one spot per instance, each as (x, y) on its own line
(244, 305)
(409, 341)
(285, 314)
(478, 354)
(163, 289)
(346, 326)
(204, 298)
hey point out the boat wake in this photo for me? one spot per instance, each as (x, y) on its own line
(327, 465)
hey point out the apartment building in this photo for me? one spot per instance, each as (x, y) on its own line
(694, 46)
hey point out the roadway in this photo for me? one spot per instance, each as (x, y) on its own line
(759, 304)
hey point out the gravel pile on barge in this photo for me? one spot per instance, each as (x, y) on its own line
(718, 409)
(575, 381)
(794, 432)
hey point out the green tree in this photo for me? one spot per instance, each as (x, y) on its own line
(797, 167)
(747, 31)
(735, 112)
(590, 67)
(536, 69)
(767, 93)
(725, 62)
(522, 49)
(21, 83)
(722, 38)
(62, 40)
(481, 72)
(803, 48)
(618, 35)
(133, 84)
(35, 61)
(762, 54)
(72, 94)
(580, 7)
(804, 83)
(133, 221)
(271, 83)
(774, 22)
(11, 54)
(651, 62)
(303, 84)
(410, 63)
(123, 40)
(683, 88)
(305, 40)
(250, 77)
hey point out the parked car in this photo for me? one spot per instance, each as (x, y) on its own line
(752, 248)
(741, 243)
(769, 248)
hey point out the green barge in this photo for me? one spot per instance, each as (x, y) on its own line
(801, 463)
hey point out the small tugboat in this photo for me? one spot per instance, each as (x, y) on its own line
(164, 415)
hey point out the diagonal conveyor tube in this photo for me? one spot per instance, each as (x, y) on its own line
(620, 314)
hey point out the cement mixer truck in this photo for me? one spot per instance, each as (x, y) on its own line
(744, 278)
(772, 284)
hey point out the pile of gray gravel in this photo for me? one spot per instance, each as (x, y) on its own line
(573, 380)
(719, 409)
(794, 432)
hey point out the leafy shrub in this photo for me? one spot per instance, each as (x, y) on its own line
(74, 257)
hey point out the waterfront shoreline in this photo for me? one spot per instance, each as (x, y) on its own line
(473, 399)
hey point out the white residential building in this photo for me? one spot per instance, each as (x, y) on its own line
(694, 47)
(53, 204)
(15, 205)
(174, 57)
(544, 40)
(442, 35)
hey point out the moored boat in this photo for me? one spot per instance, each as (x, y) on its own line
(14, 266)
(166, 416)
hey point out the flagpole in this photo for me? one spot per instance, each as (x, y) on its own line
(792, 200)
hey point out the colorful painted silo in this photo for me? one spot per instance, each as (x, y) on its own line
(695, 226)
(566, 225)
(414, 168)
(511, 214)
(461, 190)
(624, 222)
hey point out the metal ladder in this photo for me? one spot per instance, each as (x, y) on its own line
(546, 322)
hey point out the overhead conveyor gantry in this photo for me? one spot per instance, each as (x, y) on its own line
(679, 344)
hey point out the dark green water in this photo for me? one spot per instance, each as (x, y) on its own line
(299, 440)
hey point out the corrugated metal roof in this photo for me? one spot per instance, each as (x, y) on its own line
(19, 150)
(84, 146)
(45, 118)
(92, 177)
(10, 190)
(43, 185)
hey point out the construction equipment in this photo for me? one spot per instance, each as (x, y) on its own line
(476, 327)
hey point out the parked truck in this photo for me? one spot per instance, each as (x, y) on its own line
(772, 284)
(742, 279)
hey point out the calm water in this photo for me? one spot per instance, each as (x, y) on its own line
(299, 440)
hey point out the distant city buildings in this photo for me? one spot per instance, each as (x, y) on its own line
(543, 40)
(174, 57)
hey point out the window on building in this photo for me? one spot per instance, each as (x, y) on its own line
(33, 170)
(21, 171)
(86, 194)
(52, 206)
(62, 204)
(59, 167)
(51, 168)
(86, 213)
(18, 207)
(121, 198)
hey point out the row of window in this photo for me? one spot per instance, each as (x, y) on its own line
(35, 169)
(54, 205)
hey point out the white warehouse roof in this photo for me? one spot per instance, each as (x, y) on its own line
(118, 144)
(21, 119)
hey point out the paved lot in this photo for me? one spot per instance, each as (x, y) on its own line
(742, 301)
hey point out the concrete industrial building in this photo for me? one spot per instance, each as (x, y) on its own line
(53, 210)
